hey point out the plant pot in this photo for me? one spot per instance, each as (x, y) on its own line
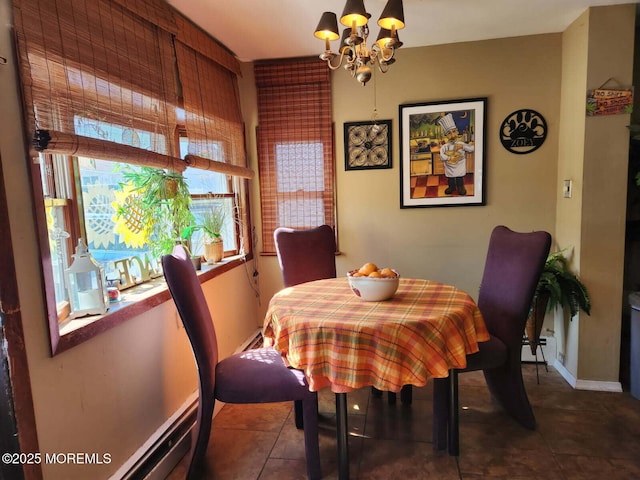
(197, 262)
(533, 328)
(213, 251)
(170, 189)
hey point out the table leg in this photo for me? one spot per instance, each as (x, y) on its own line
(453, 434)
(342, 434)
(440, 412)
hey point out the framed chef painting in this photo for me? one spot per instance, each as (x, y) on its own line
(367, 145)
(442, 153)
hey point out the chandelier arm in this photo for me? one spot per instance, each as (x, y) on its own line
(386, 58)
(383, 67)
(340, 59)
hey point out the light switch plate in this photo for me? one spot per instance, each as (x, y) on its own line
(566, 189)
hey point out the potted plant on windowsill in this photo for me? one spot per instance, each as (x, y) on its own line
(211, 224)
(156, 206)
(192, 244)
(557, 287)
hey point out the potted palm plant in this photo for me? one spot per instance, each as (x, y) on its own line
(557, 287)
(212, 221)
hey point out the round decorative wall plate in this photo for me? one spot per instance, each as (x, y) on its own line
(523, 131)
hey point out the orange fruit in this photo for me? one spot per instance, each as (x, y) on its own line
(387, 273)
(375, 274)
(367, 268)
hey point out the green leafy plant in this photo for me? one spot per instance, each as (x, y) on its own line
(159, 203)
(563, 287)
(211, 223)
(557, 287)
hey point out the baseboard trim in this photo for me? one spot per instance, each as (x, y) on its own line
(594, 385)
(164, 448)
(253, 341)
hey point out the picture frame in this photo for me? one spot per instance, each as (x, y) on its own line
(442, 153)
(367, 145)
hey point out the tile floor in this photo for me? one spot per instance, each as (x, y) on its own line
(580, 435)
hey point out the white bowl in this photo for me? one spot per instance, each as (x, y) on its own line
(373, 289)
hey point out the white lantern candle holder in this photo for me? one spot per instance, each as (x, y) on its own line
(86, 284)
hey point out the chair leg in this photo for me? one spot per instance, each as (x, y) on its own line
(297, 411)
(311, 441)
(440, 413)
(406, 395)
(506, 385)
(200, 435)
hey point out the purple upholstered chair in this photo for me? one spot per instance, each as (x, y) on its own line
(305, 255)
(513, 266)
(254, 376)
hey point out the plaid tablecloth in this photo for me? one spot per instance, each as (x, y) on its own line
(343, 342)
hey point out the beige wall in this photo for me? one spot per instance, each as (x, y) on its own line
(594, 220)
(444, 244)
(570, 167)
(111, 393)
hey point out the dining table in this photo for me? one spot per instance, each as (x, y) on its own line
(344, 343)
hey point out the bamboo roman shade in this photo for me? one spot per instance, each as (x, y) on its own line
(158, 12)
(96, 69)
(295, 146)
(212, 113)
(100, 80)
(192, 36)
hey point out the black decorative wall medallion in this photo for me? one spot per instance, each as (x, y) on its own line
(523, 131)
(367, 145)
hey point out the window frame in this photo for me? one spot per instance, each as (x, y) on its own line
(118, 312)
(82, 329)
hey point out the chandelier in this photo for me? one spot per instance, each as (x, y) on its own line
(353, 45)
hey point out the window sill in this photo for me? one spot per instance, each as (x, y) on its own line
(134, 302)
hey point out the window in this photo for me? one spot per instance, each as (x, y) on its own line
(103, 101)
(299, 191)
(110, 242)
(295, 146)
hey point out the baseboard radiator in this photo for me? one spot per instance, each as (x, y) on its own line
(159, 459)
(255, 340)
(156, 459)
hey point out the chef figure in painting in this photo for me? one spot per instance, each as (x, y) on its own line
(454, 156)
